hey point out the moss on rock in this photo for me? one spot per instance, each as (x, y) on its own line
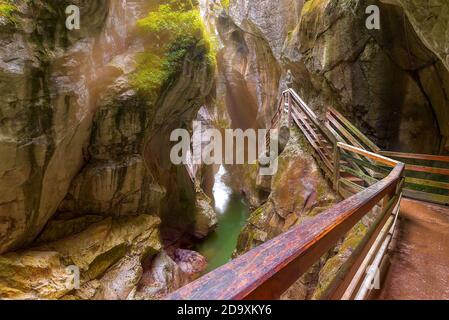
(7, 8)
(180, 27)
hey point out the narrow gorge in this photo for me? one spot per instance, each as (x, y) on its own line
(86, 119)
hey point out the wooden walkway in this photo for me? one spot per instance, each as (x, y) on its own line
(420, 254)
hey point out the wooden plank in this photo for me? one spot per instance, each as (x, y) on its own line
(278, 113)
(371, 145)
(299, 103)
(312, 142)
(310, 114)
(381, 170)
(345, 193)
(333, 132)
(340, 139)
(368, 179)
(361, 272)
(428, 183)
(370, 155)
(355, 166)
(351, 266)
(303, 120)
(415, 156)
(351, 185)
(337, 164)
(424, 196)
(270, 269)
(327, 172)
(425, 169)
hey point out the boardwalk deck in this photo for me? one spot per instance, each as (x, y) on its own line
(420, 255)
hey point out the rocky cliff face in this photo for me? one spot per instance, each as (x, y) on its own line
(44, 130)
(85, 174)
(370, 74)
(336, 60)
(430, 23)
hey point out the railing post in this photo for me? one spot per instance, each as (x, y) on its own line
(289, 101)
(337, 158)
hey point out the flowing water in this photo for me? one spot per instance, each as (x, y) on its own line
(232, 211)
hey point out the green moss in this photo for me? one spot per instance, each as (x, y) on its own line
(172, 21)
(310, 6)
(179, 26)
(258, 213)
(7, 8)
(336, 266)
(151, 75)
(225, 4)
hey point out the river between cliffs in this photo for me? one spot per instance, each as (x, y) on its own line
(232, 211)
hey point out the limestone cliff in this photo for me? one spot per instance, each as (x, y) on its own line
(86, 116)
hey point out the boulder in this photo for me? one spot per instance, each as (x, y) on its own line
(105, 252)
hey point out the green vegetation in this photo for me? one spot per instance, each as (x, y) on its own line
(178, 31)
(7, 8)
(225, 4)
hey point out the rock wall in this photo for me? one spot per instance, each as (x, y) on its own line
(86, 178)
(430, 23)
(369, 75)
(335, 60)
(46, 112)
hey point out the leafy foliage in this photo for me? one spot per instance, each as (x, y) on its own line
(225, 4)
(178, 31)
(172, 22)
(7, 8)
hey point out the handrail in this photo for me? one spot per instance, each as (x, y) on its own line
(415, 156)
(310, 114)
(368, 154)
(303, 105)
(425, 181)
(278, 112)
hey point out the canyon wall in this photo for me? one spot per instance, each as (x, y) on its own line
(85, 174)
(392, 82)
